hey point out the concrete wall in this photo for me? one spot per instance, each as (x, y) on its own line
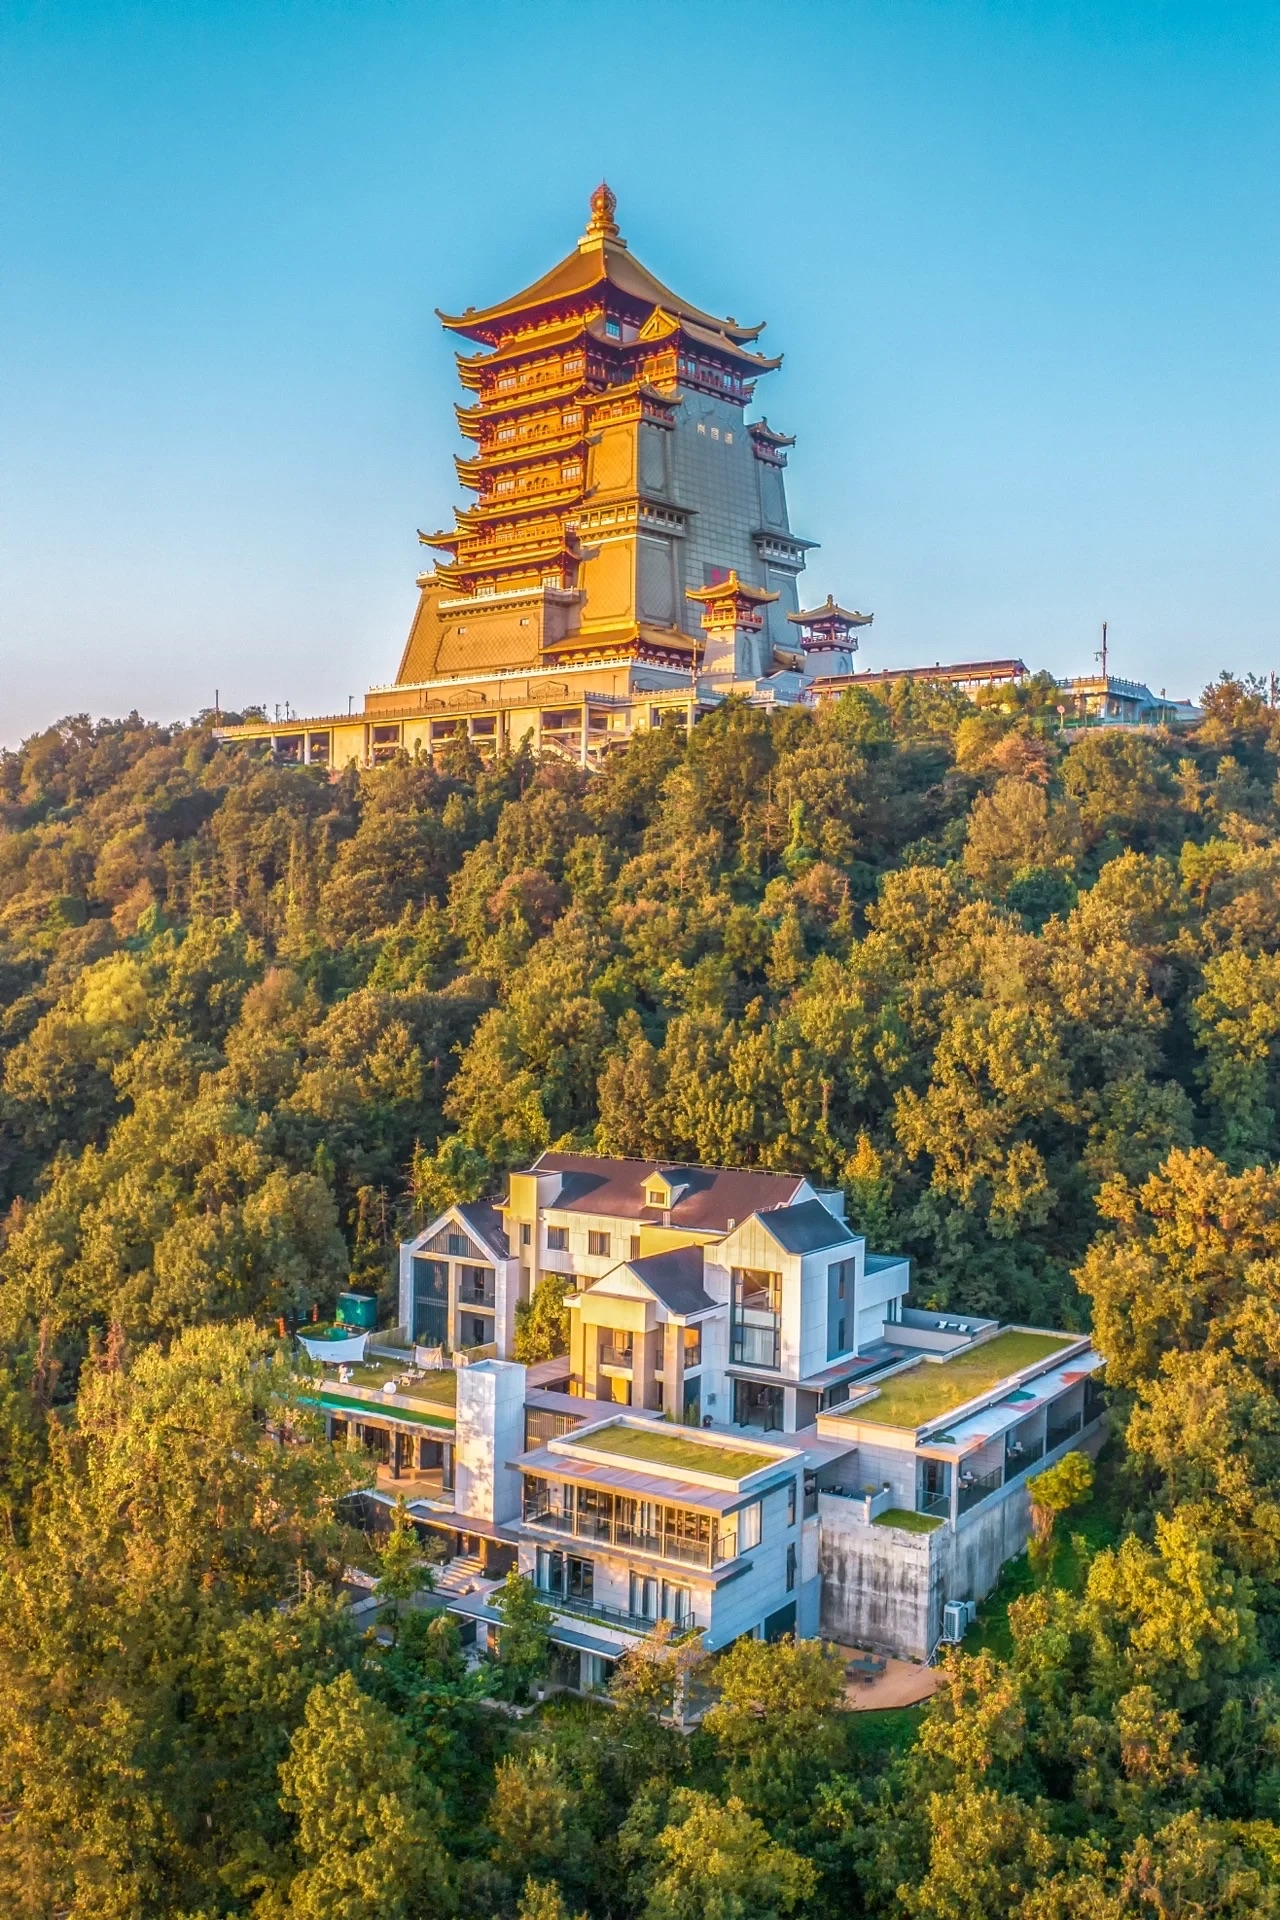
(886, 1588)
(490, 1432)
(878, 1583)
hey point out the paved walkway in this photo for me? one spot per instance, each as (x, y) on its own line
(902, 1684)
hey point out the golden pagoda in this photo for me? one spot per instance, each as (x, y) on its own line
(616, 483)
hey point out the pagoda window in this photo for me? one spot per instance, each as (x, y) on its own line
(573, 418)
(505, 486)
(506, 433)
(613, 330)
(506, 383)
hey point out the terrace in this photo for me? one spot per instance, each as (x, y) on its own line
(930, 1390)
(402, 1415)
(660, 1446)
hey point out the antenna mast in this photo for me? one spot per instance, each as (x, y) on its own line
(1102, 654)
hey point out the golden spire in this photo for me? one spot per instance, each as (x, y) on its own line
(602, 226)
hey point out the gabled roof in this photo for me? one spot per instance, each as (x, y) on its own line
(714, 1198)
(480, 1218)
(601, 259)
(675, 1278)
(485, 1220)
(806, 1228)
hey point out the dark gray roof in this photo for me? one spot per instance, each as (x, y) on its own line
(676, 1278)
(485, 1220)
(804, 1229)
(713, 1197)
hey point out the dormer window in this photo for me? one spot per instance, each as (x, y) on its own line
(656, 1197)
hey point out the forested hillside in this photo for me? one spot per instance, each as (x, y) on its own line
(1017, 991)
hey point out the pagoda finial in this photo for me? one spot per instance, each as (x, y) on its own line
(602, 225)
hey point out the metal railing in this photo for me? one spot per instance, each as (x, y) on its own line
(609, 1616)
(978, 1488)
(1056, 1435)
(1018, 1459)
(936, 1503)
(606, 1532)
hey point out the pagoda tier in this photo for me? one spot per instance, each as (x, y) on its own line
(595, 401)
(829, 628)
(602, 261)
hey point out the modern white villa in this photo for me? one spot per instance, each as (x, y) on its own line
(750, 1433)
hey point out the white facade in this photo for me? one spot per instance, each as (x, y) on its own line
(738, 1312)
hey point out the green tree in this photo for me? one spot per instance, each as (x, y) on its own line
(715, 1861)
(542, 1322)
(366, 1841)
(1066, 1484)
(524, 1642)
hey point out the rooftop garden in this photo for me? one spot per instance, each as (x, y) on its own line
(931, 1389)
(663, 1446)
(439, 1389)
(908, 1521)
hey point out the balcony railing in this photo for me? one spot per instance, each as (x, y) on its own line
(972, 1491)
(1062, 1430)
(936, 1503)
(1019, 1458)
(615, 1356)
(610, 1616)
(607, 1532)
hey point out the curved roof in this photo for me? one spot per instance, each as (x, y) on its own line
(601, 258)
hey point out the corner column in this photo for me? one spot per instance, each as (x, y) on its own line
(673, 1370)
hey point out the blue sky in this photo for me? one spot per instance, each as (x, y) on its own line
(1022, 260)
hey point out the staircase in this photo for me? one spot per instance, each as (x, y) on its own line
(463, 1574)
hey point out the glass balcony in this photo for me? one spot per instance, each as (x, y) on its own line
(668, 1533)
(1061, 1430)
(612, 1616)
(978, 1487)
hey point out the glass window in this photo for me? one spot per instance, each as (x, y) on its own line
(841, 1275)
(757, 1318)
(598, 1244)
(526, 1234)
(558, 1239)
(430, 1302)
(677, 1604)
(791, 1568)
(791, 1503)
(635, 1247)
(692, 1347)
(644, 1596)
(750, 1526)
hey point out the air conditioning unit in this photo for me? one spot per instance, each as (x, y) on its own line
(955, 1620)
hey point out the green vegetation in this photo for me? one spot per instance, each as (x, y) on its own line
(437, 1389)
(933, 1388)
(662, 1448)
(1017, 992)
(909, 1521)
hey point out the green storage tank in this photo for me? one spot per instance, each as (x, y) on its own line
(357, 1310)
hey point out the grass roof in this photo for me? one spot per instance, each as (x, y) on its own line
(663, 1446)
(909, 1522)
(930, 1389)
(437, 1389)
